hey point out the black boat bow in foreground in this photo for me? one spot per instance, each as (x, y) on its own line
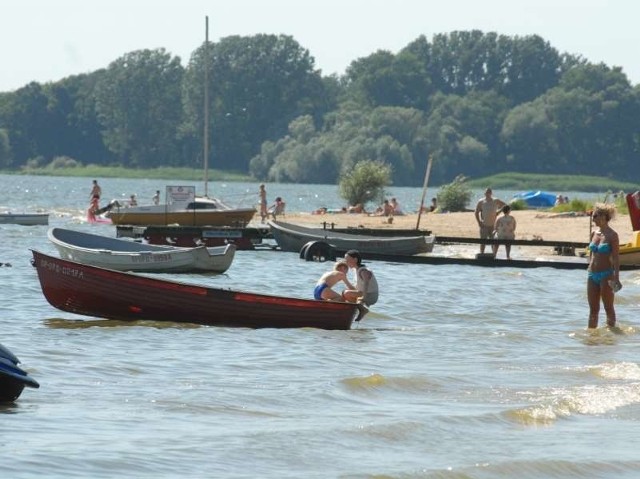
(13, 379)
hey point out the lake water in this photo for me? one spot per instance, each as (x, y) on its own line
(458, 372)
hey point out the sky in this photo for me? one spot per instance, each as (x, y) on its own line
(47, 40)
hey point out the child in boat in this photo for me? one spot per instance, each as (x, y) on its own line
(323, 289)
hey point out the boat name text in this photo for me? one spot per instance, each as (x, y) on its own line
(64, 270)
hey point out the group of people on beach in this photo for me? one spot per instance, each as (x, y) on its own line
(389, 208)
(603, 279)
(275, 210)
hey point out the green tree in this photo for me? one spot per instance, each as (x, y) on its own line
(463, 132)
(587, 124)
(365, 182)
(454, 196)
(24, 114)
(518, 68)
(79, 133)
(138, 103)
(258, 85)
(5, 148)
(384, 79)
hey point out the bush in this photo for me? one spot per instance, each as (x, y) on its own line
(455, 196)
(365, 182)
(32, 163)
(518, 205)
(573, 205)
(64, 162)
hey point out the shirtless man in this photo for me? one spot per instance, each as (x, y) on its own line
(486, 213)
(328, 280)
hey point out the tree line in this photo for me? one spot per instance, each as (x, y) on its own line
(479, 103)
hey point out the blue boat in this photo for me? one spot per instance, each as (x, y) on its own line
(537, 199)
(13, 379)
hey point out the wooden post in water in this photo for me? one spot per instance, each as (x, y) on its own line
(424, 190)
(206, 107)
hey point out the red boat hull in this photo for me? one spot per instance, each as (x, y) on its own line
(92, 291)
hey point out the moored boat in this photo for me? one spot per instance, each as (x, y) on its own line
(629, 253)
(13, 379)
(92, 291)
(126, 255)
(292, 237)
(25, 219)
(200, 211)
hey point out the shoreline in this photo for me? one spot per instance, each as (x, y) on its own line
(531, 224)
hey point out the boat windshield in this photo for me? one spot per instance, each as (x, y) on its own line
(201, 205)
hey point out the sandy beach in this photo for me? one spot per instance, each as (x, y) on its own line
(531, 224)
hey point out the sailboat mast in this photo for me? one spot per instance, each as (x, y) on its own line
(206, 108)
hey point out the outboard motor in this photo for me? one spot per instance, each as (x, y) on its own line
(13, 379)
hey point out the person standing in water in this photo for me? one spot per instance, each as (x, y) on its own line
(96, 191)
(604, 266)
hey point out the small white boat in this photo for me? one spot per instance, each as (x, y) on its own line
(26, 219)
(126, 255)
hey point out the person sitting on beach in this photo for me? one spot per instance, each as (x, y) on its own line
(323, 289)
(397, 211)
(277, 208)
(385, 209)
(505, 228)
(356, 209)
(320, 211)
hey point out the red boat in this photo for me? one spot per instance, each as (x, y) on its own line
(92, 291)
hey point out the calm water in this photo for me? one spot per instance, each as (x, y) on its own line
(459, 372)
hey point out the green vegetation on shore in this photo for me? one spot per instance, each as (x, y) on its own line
(552, 183)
